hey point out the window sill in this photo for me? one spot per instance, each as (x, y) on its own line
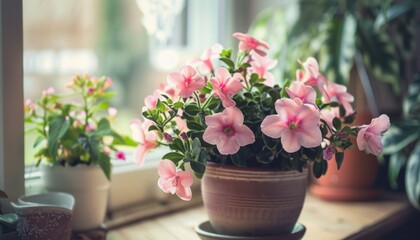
(323, 220)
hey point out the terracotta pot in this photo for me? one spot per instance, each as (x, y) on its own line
(356, 178)
(251, 201)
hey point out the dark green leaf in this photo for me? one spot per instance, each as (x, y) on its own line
(38, 141)
(228, 62)
(192, 109)
(104, 128)
(339, 157)
(319, 168)
(396, 162)
(174, 156)
(178, 104)
(337, 124)
(177, 145)
(198, 167)
(195, 126)
(397, 138)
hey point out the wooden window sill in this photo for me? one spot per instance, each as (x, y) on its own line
(323, 220)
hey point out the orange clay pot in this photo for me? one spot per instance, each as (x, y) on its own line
(356, 177)
(251, 201)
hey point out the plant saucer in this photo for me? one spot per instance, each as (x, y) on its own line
(206, 232)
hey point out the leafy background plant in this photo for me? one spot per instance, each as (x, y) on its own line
(74, 128)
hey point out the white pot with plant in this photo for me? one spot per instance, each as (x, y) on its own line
(76, 144)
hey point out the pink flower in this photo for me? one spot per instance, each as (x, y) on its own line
(186, 81)
(260, 65)
(151, 100)
(248, 43)
(90, 90)
(337, 92)
(173, 181)
(47, 92)
(120, 156)
(225, 86)
(205, 62)
(29, 106)
(369, 136)
(299, 90)
(112, 112)
(147, 140)
(227, 131)
(108, 83)
(106, 150)
(168, 90)
(90, 127)
(311, 76)
(296, 124)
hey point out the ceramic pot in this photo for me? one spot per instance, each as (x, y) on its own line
(44, 216)
(251, 201)
(356, 178)
(88, 185)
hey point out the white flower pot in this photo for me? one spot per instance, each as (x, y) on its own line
(88, 185)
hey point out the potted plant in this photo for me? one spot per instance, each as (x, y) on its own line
(252, 138)
(76, 143)
(402, 145)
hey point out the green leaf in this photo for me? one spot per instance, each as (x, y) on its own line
(195, 126)
(198, 167)
(105, 163)
(226, 53)
(174, 156)
(398, 137)
(396, 163)
(177, 145)
(38, 141)
(3, 194)
(178, 104)
(340, 47)
(192, 109)
(339, 157)
(160, 106)
(104, 128)
(412, 177)
(337, 124)
(58, 126)
(319, 168)
(125, 140)
(196, 148)
(228, 62)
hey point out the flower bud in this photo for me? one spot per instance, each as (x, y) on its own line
(167, 137)
(184, 136)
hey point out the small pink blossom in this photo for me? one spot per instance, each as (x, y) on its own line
(261, 66)
(168, 90)
(205, 62)
(173, 181)
(186, 81)
(120, 156)
(151, 100)
(108, 83)
(147, 140)
(90, 90)
(90, 127)
(369, 136)
(337, 92)
(296, 124)
(311, 76)
(181, 124)
(248, 43)
(47, 92)
(328, 152)
(225, 86)
(107, 150)
(112, 112)
(299, 90)
(227, 131)
(29, 106)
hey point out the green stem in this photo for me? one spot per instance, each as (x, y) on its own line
(198, 99)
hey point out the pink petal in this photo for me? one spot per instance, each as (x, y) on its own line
(184, 193)
(227, 145)
(166, 169)
(260, 52)
(215, 120)
(185, 178)
(175, 79)
(212, 135)
(187, 71)
(244, 135)
(136, 130)
(222, 74)
(226, 101)
(310, 138)
(233, 86)
(290, 141)
(240, 36)
(374, 144)
(234, 115)
(166, 184)
(361, 142)
(272, 126)
(379, 125)
(139, 155)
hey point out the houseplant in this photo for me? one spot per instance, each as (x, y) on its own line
(76, 143)
(252, 137)
(402, 145)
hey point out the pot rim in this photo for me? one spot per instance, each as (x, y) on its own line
(251, 169)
